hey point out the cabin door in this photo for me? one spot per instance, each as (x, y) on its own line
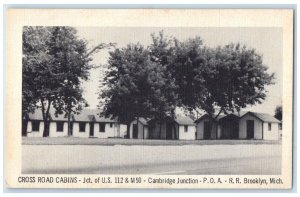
(250, 129)
(91, 129)
(169, 129)
(135, 131)
(207, 130)
(71, 128)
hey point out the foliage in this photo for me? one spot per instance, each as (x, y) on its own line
(225, 78)
(278, 112)
(137, 86)
(221, 79)
(55, 62)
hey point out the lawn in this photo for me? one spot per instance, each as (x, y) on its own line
(129, 142)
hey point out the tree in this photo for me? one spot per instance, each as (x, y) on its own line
(72, 66)
(55, 61)
(278, 112)
(137, 86)
(215, 80)
(40, 84)
(234, 77)
(225, 79)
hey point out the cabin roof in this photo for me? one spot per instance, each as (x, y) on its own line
(184, 120)
(92, 115)
(144, 121)
(206, 115)
(86, 115)
(37, 115)
(264, 117)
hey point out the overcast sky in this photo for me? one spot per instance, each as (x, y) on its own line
(266, 41)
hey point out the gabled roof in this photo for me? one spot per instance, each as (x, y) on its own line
(181, 120)
(37, 115)
(239, 114)
(91, 115)
(184, 120)
(143, 121)
(263, 117)
(207, 116)
(86, 115)
(235, 114)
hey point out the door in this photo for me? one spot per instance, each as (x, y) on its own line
(91, 129)
(250, 129)
(169, 130)
(71, 128)
(207, 130)
(135, 131)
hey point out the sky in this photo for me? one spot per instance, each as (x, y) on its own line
(267, 41)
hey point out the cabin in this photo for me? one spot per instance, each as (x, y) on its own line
(242, 125)
(89, 124)
(35, 124)
(139, 129)
(86, 124)
(208, 128)
(180, 128)
(229, 125)
(253, 125)
(58, 126)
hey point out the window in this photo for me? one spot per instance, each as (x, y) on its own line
(185, 128)
(269, 126)
(111, 125)
(102, 127)
(59, 126)
(82, 127)
(36, 125)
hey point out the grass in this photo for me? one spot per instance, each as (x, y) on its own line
(129, 142)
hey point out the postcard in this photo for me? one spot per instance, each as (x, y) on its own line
(149, 98)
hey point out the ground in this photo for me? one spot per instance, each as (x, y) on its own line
(129, 142)
(124, 156)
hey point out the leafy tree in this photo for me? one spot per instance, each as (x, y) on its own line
(183, 60)
(39, 82)
(137, 86)
(55, 62)
(218, 79)
(215, 80)
(278, 112)
(233, 77)
(72, 66)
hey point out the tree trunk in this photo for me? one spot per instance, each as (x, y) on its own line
(46, 128)
(69, 123)
(128, 130)
(46, 118)
(160, 125)
(175, 134)
(24, 127)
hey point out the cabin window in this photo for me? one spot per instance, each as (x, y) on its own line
(185, 128)
(111, 125)
(59, 126)
(35, 125)
(102, 127)
(269, 126)
(82, 127)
